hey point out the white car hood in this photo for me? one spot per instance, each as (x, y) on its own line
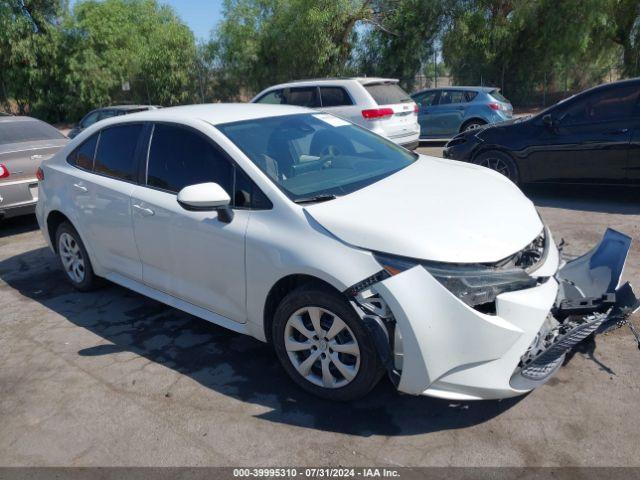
(435, 209)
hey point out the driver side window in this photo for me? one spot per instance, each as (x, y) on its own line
(610, 104)
(179, 157)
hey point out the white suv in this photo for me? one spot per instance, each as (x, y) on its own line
(378, 104)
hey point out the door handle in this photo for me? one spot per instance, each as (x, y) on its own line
(620, 131)
(143, 210)
(80, 187)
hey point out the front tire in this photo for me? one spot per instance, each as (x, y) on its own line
(323, 345)
(74, 259)
(499, 162)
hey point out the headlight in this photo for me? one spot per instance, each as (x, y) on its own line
(474, 284)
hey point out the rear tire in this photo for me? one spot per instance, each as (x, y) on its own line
(499, 162)
(472, 125)
(74, 259)
(323, 345)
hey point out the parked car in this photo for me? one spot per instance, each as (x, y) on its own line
(107, 112)
(378, 104)
(591, 137)
(24, 143)
(445, 112)
(350, 255)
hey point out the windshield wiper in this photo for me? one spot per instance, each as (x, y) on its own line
(317, 198)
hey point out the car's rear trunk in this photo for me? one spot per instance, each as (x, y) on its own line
(23, 159)
(389, 95)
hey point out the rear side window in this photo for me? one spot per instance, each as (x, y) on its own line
(27, 131)
(616, 103)
(82, 157)
(179, 157)
(302, 97)
(471, 95)
(448, 97)
(273, 98)
(426, 99)
(334, 97)
(387, 93)
(116, 152)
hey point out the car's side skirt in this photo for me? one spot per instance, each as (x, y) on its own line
(178, 303)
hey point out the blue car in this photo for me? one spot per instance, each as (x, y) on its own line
(447, 111)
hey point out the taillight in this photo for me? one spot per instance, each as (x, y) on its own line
(4, 171)
(40, 174)
(374, 113)
(416, 108)
(495, 106)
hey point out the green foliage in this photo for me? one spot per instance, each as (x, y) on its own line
(403, 39)
(519, 45)
(59, 64)
(261, 42)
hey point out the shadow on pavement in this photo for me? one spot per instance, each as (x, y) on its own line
(232, 364)
(590, 198)
(17, 225)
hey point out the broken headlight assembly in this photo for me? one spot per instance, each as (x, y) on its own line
(474, 284)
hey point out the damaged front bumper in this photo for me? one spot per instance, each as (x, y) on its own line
(434, 344)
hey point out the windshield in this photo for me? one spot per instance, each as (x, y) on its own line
(316, 156)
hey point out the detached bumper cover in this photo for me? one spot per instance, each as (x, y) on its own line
(453, 351)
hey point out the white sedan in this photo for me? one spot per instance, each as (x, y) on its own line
(349, 254)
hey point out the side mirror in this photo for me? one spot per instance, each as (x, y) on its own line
(206, 197)
(547, 120)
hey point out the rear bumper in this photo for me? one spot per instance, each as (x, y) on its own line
(18, 198)
(444, 348)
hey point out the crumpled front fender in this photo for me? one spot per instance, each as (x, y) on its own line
(440, 333)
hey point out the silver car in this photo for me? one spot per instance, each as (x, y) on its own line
(24, 143)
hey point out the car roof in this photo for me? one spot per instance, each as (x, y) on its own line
(456, 87)
(212, 113)
(126, 107)
(333, 81)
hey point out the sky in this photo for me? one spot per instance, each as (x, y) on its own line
(201, 15)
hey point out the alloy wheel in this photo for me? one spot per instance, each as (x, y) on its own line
(497, 164)
(321, 347)
(72, 258)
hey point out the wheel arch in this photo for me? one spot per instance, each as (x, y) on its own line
(54, 219)
(470, 120)
(522, 178)
(282, 288)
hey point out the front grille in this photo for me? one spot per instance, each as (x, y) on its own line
(536, 365)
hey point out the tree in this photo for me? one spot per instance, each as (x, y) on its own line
(139, 42)
(624, 30)
(520, 44)
(262, 42)
(402, 39)
(29, 59)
